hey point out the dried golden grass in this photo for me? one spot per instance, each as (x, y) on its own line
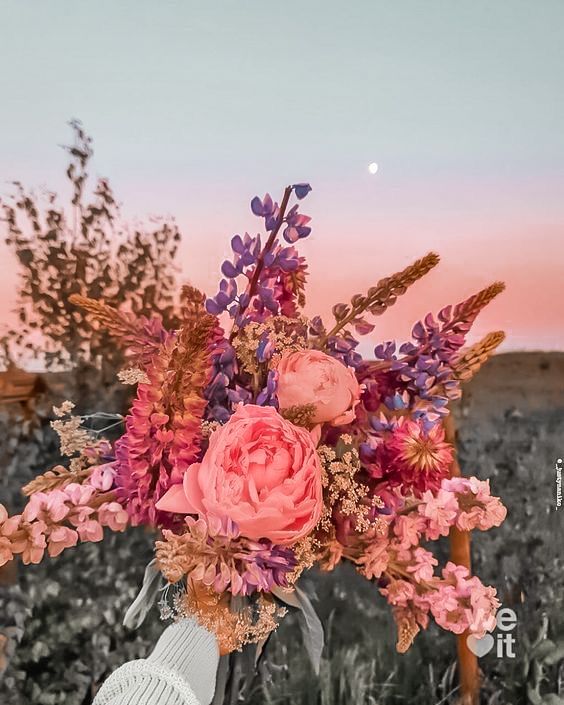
(471, 359)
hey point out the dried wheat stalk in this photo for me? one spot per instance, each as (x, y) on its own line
(471, 359)
(384, 294)
(58, 476)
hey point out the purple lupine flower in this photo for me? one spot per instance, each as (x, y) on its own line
(301, 190)
(267, 566)
(296, 225)
(263, 208)
(224, 364)
(424, 368)
(344, 349)
(224, 298)
(267, 397)
(275, 275)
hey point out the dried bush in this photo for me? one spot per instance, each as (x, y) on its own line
(82, 248)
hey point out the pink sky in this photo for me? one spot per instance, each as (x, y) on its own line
(358, 240)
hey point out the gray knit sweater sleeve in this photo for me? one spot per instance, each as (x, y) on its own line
(180, 671)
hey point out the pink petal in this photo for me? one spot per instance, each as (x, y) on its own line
(174, 500)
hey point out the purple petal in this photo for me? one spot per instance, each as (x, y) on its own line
(229, 270)
(301, 190)
(213, 307)
(237, 245)
(257, 207)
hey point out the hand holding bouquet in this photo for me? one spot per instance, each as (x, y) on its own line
(258, 453)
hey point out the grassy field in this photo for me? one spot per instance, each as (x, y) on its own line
(62, 620)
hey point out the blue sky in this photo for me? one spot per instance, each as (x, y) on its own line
(195, 107)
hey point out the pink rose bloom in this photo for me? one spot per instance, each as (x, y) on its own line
(312, 377)
(260, 471)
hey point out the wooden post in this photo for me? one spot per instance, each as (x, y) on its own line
(468, 671)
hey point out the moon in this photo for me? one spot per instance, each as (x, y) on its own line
(373, 167)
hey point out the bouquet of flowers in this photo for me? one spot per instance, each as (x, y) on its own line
(260, 443)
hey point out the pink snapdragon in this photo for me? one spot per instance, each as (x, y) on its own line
(463, 603)
(57, 519)
(113, 515)
(102, 477)
(477, 508)
(408, 529)
(457, 601)
(440, 510)
(423, 567)
(61, 537)
(375, 558)
(399, 592)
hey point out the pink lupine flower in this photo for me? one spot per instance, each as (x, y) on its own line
(150, 457)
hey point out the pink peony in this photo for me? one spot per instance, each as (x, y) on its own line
(312, 377)
(260, 471)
